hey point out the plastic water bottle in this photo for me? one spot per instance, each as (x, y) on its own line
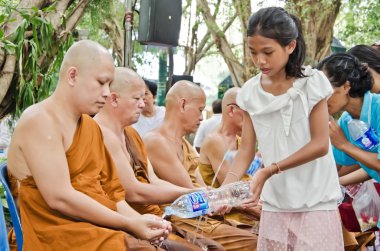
(206, 201)
(363, 135)
(255, 165)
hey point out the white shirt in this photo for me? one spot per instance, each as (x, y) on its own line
(282, 127)
(146, 124)
(205, 128)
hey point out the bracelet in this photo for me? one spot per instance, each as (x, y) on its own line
(278, 167)
(234, 174)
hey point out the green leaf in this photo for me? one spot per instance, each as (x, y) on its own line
(2, 18)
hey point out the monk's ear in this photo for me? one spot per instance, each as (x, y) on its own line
(182, 103)
(113, 99)
(230, 110)
(72, 74)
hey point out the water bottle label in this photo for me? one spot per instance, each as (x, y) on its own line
(368, 141)
(255, 165)
(198, 201)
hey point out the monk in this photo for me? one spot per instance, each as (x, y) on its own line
(70, 196)
(217, 153)
(220, 146)
(174, 160)
(143, 189)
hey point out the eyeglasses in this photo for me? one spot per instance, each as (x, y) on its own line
(234, 104)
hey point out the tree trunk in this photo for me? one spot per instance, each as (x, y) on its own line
(112, 28)
(317, 18)
(234, 66)
(244, 10)
(9, 63)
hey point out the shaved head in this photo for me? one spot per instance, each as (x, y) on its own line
(229, 97)
(186, 90)
(124, 79)
(84, 55)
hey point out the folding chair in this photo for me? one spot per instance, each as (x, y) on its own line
(12, 206)
(3, 231)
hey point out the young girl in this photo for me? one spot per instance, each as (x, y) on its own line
(286, 113)
(352, 85)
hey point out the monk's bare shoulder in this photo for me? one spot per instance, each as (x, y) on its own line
(154, 139)
(212, 142)
(34, 125)
(110, 139)
(35, 118)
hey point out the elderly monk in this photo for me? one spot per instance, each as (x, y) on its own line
(175, 160)
(123, 108)
(70, 196)
(217, 152)
(220, 146)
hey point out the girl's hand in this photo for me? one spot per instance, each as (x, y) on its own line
(337, 137)
(258, 180)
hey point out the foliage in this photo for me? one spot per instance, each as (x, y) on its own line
(93, 20)
(36, 80)
(358, 22)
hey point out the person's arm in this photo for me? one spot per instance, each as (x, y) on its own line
(318, 146)
(245, 153)
(48, 166)
(344, 170)
(175, 191)
(165, 162)
(354, 178)
(198, 178)
(339, 140)
(214, 150)
(136, 191)
(147, 227)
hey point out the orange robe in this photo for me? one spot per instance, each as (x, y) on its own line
(230, 237)
(93, 173)
(139, 163)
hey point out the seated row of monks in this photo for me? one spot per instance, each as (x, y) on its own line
(87, 183)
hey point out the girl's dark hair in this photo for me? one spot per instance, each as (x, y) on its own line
(342, 67)
(277, 24)
(367, 54)
(152, 86)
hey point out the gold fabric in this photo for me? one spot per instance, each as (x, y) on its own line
(230, 237)
(93, 173)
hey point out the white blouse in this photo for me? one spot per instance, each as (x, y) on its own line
(282, 127)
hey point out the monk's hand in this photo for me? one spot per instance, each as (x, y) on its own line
(152, 228)
(221, 210)
(257, 183)
(337, 137)
(250, 208)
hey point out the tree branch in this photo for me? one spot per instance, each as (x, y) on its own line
(7, 74)
(55, 17)
(217, 6)
(74, 18)
(10, 27)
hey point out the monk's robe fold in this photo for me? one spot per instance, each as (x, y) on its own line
(93, 173)
(139, 163)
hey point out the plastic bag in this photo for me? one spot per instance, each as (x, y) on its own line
(366, 204)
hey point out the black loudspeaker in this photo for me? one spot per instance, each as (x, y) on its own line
(160, 22)
(176, 78)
